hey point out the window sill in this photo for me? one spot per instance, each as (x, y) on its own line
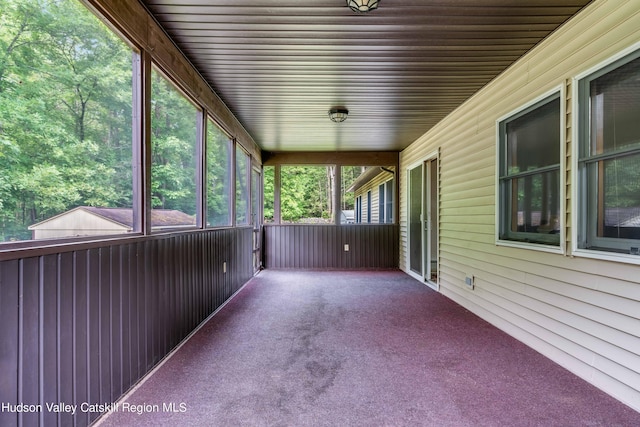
(607, 256)
(541, 247)
(31, 248)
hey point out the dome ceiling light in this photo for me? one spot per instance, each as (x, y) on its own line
(363, 6)
(338, 114)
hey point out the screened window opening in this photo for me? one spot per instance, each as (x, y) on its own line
(174, 154)
(218, 181)
(311, 194)
(65, 158)
(609, 159)
(307, 194)
(243, 171)
(529, 144)
(268, 194)
(368, 193)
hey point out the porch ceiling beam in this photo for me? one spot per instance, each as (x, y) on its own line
(342, 158)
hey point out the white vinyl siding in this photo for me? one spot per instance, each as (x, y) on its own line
(582, 313)
(372, 187)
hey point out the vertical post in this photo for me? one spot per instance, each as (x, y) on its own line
(234, 181)
(396, 192)
(137, 138)
(277, 217)
(146, 143)
(201, 131)
(337, 194)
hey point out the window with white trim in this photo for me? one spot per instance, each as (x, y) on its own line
(609, 158)
(385, 202)
(381, 196)
(388, 201)
(529, 173)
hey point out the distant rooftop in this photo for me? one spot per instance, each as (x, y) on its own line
(124, 216)
(622, 217)
(159, 217)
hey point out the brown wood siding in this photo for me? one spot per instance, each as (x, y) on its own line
(372, 246)
(86, 325)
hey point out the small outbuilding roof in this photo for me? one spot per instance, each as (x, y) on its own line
(160, 218)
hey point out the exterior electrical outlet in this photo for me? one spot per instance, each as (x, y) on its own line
(469, 281)
(346, 247)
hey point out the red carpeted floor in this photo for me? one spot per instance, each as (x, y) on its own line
(353, 348)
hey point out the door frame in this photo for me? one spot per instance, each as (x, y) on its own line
(257, 215)
(426, 232)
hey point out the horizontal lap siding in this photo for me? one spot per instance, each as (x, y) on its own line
(582, 313)
(322, 246)
(374, 186)
(84, 326)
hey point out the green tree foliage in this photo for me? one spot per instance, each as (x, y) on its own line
(243, 165)
(306, 193)
(173, 147)
(65, 113)
(218, 175)
(268, 192)
(349, 175)
(622, 182)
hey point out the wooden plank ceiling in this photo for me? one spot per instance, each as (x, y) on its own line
(279, 65)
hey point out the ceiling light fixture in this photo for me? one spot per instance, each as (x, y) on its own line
(363, 5)
(338, 114)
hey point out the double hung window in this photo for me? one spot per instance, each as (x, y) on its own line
(358, 209)
(381, 196)
(608, 202)
(386, 202)
(529, 173)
